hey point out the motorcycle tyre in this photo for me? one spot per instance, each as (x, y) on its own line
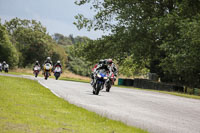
(57, 75)
(98, 87)
(108, 88)
(6, 71)
(46, 75)
(36, 74)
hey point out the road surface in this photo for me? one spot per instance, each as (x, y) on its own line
(152, 111)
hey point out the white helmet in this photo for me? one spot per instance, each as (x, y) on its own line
(48, 58)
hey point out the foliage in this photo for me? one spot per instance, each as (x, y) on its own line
(70, 40)
(161, 35)
(73, 45)
(32, 42)
(8, 52)
(130, 69)
(182, 55)
(76, 63)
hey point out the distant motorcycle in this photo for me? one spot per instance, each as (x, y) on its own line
(47, 70)
(0, 67)
(36, 70)
(99, 81)
(6, 67)
(57, 72)
(109, 82)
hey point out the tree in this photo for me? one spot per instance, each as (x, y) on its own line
(32, 42)
(146, 31)
(7, 50)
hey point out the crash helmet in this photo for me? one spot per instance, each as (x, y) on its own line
(49, 58)
(58, 62)
(4, 62)
(109, 61)
(36, 62)
(105, 62)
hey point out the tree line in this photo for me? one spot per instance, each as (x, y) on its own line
(157, 36)
(22, 42)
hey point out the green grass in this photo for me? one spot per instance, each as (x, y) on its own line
(26, 106)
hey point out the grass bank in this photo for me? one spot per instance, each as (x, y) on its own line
(26, 106)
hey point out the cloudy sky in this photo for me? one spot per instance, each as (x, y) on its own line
(56, 15)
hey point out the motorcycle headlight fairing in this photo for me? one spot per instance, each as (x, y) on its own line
(105, 77)
(98, 75)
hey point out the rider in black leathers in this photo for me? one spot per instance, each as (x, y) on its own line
(103, 65)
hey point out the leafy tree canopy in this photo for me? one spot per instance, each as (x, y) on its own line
(161, 35)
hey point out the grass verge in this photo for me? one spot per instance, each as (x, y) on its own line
(26, 106)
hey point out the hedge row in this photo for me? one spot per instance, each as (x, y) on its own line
(149, 84)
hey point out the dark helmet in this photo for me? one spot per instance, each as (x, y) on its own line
(105, 62)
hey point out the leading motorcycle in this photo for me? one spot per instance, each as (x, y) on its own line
(47, 70)
(99, 80)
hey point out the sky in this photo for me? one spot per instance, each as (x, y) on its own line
(56, 15)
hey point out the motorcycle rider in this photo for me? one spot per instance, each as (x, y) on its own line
(36, 64)
(48, 60)
(94, 69)
(3, 64)
(113, 68)
(58, 64)
(0, 67)
(103, 65)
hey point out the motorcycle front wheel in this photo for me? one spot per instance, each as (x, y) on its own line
(98, 87)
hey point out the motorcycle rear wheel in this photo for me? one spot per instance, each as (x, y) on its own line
(46, 75)
(108, 88)
(36, 74)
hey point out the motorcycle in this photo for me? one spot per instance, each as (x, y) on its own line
(0, 67)
(47, 70)
(109, 82)
(6, 68)
(36, 70)
(57, 72)
(99, 81)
